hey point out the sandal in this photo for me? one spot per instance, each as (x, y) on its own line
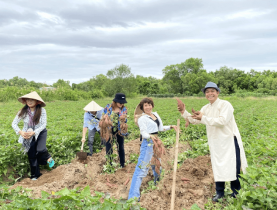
(51, 163)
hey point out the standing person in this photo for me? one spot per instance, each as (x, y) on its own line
(226, 148)
(115, 110)
(33, 135)
(91, 121)
(149, 124)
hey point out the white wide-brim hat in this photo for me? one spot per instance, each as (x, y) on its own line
(92, 107)
(32, 95)
(137, 114)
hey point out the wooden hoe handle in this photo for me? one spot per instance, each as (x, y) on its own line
(175, 166)
(82, 147)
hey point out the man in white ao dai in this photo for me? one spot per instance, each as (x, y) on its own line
(225, 144)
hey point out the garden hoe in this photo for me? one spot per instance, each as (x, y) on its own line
(82, 155)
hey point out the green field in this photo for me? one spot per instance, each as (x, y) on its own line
(256, 120)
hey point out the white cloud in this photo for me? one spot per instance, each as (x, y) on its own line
(50, 17)
(249, 14)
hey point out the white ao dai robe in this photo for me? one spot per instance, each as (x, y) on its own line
(221, 128)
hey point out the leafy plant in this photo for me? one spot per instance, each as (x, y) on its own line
(64, 199)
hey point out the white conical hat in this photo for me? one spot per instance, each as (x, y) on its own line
(92, 107)
(32, 95)
(137, 114)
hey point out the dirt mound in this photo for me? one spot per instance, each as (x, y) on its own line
(197, 190)
(77, 174)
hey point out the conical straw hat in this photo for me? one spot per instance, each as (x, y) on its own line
(32, 95)
(92, 107)
(137, 114)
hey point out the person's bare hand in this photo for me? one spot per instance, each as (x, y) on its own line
(181, 106)
(23, 134)
(174, 127)
(83, 140)
(29, 134)
(197, 116)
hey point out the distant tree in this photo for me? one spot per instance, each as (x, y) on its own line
(17, 81)
(121, 80)
(62, 83)
(174, 73)
(193, 83)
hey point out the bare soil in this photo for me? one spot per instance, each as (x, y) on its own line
(76, 174)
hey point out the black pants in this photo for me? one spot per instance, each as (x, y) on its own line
(235, 185)
(38, 154)
(120, 148)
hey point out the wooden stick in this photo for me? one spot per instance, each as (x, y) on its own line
(175, 166)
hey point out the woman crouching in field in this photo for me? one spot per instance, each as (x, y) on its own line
(33, 135)
(149, 124)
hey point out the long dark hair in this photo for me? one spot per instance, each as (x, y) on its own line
(23, 112)
(114, 105)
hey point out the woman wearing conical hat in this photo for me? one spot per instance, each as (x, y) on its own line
(91, 122)
(33, 135)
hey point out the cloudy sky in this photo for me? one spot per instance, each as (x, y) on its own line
(77, 39)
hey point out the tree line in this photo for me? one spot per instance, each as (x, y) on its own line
(186, 78)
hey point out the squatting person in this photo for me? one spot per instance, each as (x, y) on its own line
(149, 124)
(33, 135)
(115, 110)
(225, 144)
(91, 122)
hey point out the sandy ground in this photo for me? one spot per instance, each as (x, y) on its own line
(76, 174)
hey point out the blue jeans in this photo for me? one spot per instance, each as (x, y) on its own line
(146, 153)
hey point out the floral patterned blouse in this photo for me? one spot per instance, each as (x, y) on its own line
(109, 110)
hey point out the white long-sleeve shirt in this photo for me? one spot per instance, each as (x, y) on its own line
(148, 126)
(221, 128)
(38, 128)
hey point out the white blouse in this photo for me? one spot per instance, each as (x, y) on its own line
(38, 128)
(147, 125)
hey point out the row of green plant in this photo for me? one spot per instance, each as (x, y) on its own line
(64, 199)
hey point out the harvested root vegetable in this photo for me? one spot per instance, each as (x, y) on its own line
(109, 184)
(181, 105)
(105, 125)
(195, 112)
(158, 150)
(126, 182)
(185, 179)
(187, 123)
(123, 124)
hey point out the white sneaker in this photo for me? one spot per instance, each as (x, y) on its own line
(34, 179)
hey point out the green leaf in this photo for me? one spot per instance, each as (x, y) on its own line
(44, 194)
(63, 192)
(195, 207)
(86, 191)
